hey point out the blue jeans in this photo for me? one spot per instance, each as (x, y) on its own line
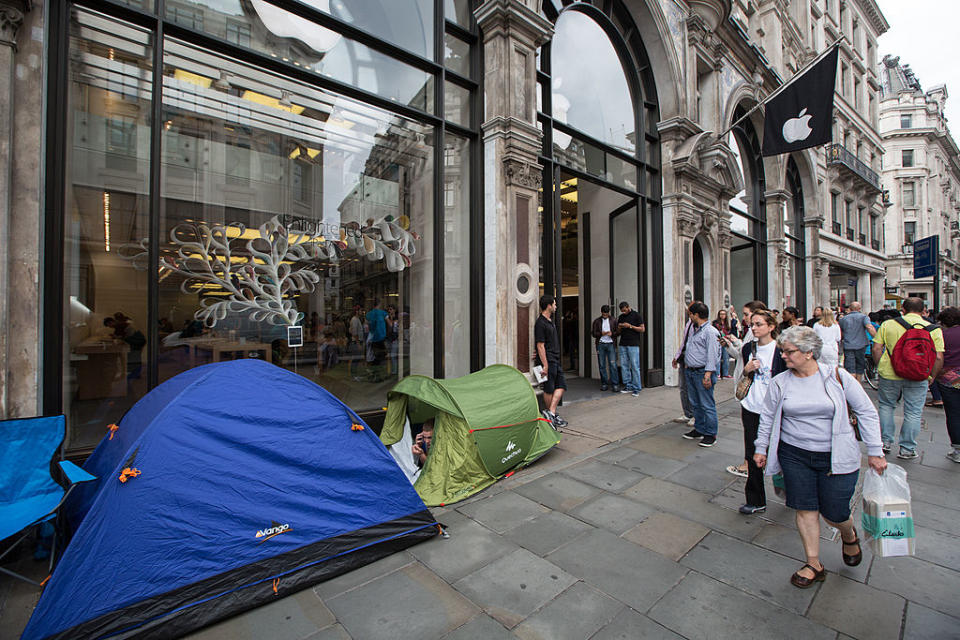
(607, 356)
(702, 402)
(724, 362)
(888, 394)
(630, 368)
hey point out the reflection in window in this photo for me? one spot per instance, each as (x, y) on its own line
(590, 90)
(347, 185)
(272, 31)
(456, 256)
(457, 55)
(458, 11)
(104, 296)
(456, 104)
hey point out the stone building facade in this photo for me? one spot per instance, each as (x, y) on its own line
(474, 158)
(921, 171)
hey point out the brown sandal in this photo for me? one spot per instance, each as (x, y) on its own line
(803, 582)
(852, 560)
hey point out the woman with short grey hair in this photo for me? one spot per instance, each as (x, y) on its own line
(805, 432)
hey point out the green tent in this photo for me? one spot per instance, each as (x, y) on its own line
(486, 424)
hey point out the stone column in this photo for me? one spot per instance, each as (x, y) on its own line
(512, 30)
(21, 119)
(776, 247)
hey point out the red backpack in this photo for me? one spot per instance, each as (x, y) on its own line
(914, 354)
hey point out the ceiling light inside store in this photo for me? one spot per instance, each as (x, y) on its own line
(270, 101)
(193, 78)
(340, 122)
(106, 221)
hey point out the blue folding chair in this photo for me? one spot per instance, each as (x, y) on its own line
(29, 496)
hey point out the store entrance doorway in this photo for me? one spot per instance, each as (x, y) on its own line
(597, 261)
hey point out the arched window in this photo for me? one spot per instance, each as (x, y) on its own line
(748, 254)
(590, 90)
(597, 107)
(793, 232)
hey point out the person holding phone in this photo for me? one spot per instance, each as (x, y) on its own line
(421, 445)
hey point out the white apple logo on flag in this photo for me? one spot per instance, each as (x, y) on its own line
(796, 129)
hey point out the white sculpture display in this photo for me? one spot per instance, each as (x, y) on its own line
(261, 275)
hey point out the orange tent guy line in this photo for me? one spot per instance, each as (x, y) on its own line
(504, 426)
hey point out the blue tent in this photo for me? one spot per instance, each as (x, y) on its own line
(253, 483)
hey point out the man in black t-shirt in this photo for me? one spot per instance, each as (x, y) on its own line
(630, 328)
(548, 355)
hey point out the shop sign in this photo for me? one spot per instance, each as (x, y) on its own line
(851, 255)
(926, 252)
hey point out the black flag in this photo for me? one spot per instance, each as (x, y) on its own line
(801, 116)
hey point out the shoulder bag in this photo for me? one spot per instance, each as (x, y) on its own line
(743, 385)
(853, 419)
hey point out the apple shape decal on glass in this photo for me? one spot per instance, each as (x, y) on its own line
(796, 129)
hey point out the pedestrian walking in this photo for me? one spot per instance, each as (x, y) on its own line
(630, 328)
(854, 327)
(891, 386)
(817, 312)
(949, 379)
(604, 331)
(678, 364)
(789, 318)
(702, 359)
(548, 356)
(726, 328)
(829, 332)
(763, 361)
(805, 433)
(733, 348)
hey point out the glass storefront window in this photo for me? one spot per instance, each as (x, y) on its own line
(590, 90)
(272, 31)
(330, 198)
(458, 11)
(457, 55)
(107, 208)
(579, 155)
(405, 23)
(456, 255)
(456, 104)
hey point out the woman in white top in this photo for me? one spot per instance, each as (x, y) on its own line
(762, 361)
(829, 332)
(734, 346)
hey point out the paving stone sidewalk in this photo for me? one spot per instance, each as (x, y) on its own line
(633, 537)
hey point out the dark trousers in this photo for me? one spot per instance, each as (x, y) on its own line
(755, 494)
(951, 407)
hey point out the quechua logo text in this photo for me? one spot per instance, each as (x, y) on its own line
(272, 531)
(512, 451)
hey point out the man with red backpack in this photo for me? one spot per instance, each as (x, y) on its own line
(908, 351)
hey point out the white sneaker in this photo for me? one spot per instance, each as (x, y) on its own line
(681, 418)
(954, 455)
(691, 422)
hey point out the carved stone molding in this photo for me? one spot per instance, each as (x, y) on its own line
(11, 17)
(687, 227)
(10, 21)
(522, 174)
(820, 267)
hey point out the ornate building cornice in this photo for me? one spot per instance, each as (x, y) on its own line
(871, 11)
(524, 174)
(11, 17)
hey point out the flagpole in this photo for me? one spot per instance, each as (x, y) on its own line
(782, 87)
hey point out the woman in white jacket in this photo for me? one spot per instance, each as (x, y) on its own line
(829, 332)
(805, 432)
